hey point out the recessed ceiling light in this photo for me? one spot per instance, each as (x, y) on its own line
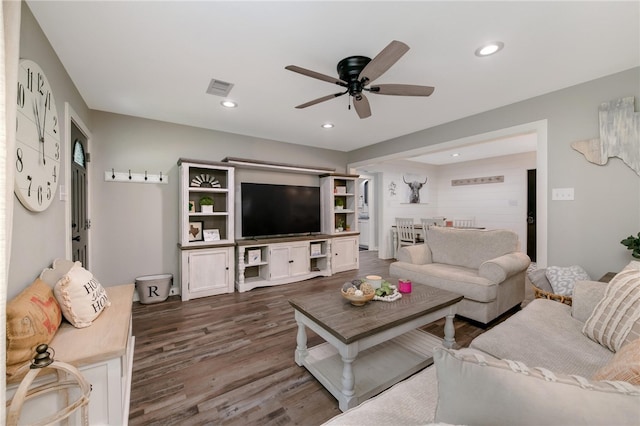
(455, 154)
(489, 48)
(327, 125)
(228, 104)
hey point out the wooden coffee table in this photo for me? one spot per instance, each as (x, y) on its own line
(370, 348)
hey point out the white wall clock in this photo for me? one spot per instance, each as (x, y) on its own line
(37, 159)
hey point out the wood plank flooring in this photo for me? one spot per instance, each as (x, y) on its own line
(228, 359)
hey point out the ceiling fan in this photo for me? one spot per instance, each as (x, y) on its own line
(357, 72)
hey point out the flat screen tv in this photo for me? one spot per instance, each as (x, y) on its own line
(273, 210)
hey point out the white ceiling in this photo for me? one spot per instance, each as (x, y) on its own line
(156, 59)
(516, 144)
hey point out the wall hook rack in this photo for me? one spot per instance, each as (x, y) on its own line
(129, 176)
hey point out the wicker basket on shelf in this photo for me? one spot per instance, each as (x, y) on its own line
(541, 294)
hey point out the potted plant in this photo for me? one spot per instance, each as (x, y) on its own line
(206, 204)
(339, 224)
(339, 204)
(632, 243)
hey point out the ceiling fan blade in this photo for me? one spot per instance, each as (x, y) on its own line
(362, 106)
(383, 61)
(317, 75)
(402, 90)
(322, 99)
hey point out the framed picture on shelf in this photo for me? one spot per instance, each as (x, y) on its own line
(192, 206)
(316, 250)
(211, 234)
(254, 256)
(195, 231)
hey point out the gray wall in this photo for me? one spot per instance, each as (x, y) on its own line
(38, 238)
(606, 209)
(135, 225)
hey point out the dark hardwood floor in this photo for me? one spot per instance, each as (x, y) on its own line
(228, 359)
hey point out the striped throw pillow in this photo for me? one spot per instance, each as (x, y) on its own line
(616, 318)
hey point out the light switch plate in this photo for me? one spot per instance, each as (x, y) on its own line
(562, 194)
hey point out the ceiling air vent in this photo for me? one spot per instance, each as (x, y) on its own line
(219, 88)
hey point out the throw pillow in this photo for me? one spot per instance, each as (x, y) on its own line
(539, 279)
(625, 365)
(562, 279)
(81, 297)
(616, 318)
(33, 317)
(476, 390)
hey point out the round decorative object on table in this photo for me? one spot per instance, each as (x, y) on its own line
(404, 285)
(374, 280)
(357, 300)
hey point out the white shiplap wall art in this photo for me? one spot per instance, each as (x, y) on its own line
(619, 135)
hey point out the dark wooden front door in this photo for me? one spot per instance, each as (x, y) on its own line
(80, 223)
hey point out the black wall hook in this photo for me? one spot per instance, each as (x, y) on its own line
(113, 174)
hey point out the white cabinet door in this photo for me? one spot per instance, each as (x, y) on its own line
(279, 262)
(209, 272)
(299, 259)
(289, 260)
(345, 254)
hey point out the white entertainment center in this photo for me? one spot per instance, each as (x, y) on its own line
(209, 267)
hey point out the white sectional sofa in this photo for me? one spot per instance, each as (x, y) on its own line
(558, 375)
(484, 266)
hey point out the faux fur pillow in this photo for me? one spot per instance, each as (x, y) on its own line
(562, 279)
(33, 317)
(82, 298)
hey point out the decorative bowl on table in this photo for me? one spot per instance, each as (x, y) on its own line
(357, 292)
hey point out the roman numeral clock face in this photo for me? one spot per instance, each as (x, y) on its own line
(37, 151)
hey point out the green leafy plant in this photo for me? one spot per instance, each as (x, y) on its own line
(632, 243)
(339, 202)
(206, 201)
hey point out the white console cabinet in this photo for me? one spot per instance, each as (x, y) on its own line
(268, 262)
(103, 352)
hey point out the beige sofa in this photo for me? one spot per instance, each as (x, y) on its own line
(551, 382)
(483, 265)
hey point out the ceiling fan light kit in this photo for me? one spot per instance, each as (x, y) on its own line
(357, 72)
